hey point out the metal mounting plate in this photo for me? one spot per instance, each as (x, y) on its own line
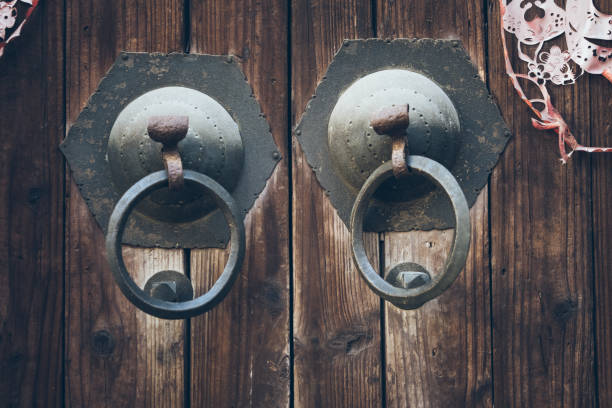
(482, 138)
(134, 74)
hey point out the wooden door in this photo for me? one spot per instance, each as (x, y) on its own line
(527, 323)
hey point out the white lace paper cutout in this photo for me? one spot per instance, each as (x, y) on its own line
(587, 33)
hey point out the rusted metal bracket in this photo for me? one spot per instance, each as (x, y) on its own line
(169, 131)
(394, 121)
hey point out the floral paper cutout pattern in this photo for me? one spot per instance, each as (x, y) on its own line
(535, 22)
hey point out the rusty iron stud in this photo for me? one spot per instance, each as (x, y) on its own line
(169, 131)
(393, 121)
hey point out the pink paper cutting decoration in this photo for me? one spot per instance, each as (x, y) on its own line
(13, 15)
(586, 30)
(585, 27)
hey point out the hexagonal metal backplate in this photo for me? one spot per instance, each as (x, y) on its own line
(482, 139)
(134, 74)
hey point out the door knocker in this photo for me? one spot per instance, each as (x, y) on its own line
(400, 288)
(164, 298)
(172, 151)
(402, 135)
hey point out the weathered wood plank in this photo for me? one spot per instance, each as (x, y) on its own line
(31, 213)
(601, 130)
(115, 355)
(160, 359)
(240, 350)
(601, 134)
(440, 354)
(336, 317)
(456, 19)
(541, 249)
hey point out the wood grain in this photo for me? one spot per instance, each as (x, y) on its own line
(336, 317)
(541, 251)
(455, 19)
(160, 359)
(240, 350)
(532, 309)
(115, 355)
(600, 125)
(31, 213)
(601, 130)
(440, 354)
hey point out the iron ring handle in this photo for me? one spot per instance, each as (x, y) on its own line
(414, 297)
(116, 226)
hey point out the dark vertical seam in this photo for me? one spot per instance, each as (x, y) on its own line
(486, 43)
(64, 209)
(373, 12)
(487, 79)
(490, 265)
(187, 339)
(186, 26)
(593, 258)
(289, 88)
(383, 327)
(187, 252)
(381, 262)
